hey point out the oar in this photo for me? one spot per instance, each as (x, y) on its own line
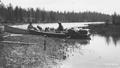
(15, 42)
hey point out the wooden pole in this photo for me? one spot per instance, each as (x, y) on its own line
(1, 32)
(45, 42)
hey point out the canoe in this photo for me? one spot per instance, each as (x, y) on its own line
(61, 35)
(43, 33)
(15, 30)
(49, 34)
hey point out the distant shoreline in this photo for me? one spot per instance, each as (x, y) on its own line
(104, 30)
(50, 23)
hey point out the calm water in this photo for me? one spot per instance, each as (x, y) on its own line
(99, 52)
(55, 25)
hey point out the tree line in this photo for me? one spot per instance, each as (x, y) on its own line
(116, 19)
(8, 14)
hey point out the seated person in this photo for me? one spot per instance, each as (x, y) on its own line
(40, 28)
(71, 31)
(46, 29)
(52, 29)
(30, 27)
(60, 27)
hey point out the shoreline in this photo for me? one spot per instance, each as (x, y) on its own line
(50, 23)
(102, 29)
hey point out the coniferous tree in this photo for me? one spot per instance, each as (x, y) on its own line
(18, 14)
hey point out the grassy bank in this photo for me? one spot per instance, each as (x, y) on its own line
(45, 53)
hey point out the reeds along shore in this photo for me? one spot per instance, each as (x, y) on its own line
(34, 56)
(30, 55)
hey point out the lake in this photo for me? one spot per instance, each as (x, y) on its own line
(55, 25)
(99, 52)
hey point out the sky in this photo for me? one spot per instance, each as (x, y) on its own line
(103, 6)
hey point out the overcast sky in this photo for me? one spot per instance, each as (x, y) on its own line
(104, 6)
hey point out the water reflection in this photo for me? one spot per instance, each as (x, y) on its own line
(15, 55)
(97, 54)
(110, 32)
(111, 38)
(114, 37)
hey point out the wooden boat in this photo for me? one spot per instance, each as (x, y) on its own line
(48, 34)
(15, 30)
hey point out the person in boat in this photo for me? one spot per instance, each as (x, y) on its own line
(71, 31)
(39, 27)
(30, 27)
(83, 31)
(46, 29)
(60, 27)
(52, 29)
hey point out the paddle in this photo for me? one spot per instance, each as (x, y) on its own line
(16, 42)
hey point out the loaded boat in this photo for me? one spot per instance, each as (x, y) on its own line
(83, 34)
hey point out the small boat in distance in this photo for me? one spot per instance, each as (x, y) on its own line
(48, 34)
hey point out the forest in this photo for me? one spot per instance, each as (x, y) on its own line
(116, 19)
(11, 15)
